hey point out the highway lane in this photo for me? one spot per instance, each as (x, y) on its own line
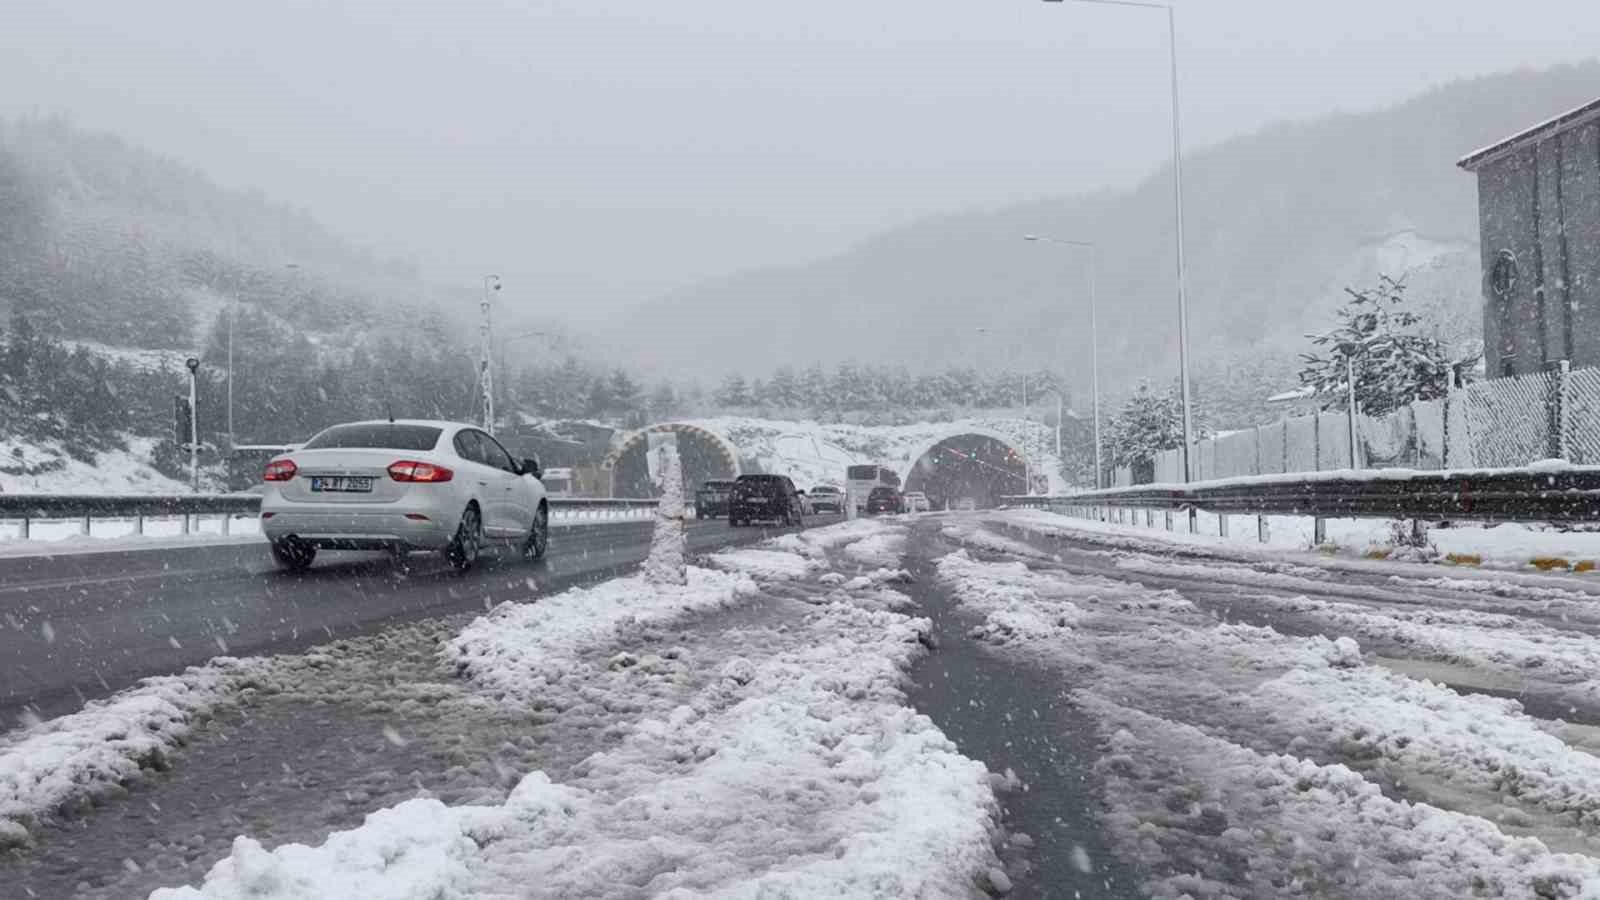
(83, 625)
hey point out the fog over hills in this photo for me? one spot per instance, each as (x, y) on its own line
(1278, 223)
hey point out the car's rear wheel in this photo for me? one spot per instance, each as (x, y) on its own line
(538, 535)
(464, 548)
(293, 554)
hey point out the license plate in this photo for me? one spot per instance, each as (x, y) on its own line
(355, 484)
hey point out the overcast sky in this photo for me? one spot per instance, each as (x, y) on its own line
(597, 153)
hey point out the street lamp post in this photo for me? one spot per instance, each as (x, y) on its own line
(1177, 197)
(1094, 345)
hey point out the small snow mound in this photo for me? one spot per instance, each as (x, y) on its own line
(831, 579)
(1343, 653)
(739, 670)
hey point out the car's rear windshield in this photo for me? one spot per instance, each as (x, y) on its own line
(824, 490)
(377, 436)
(862, 473)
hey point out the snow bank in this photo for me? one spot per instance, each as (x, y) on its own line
(113, 471)
(520, 647)
(1211, 818)
(764, 565)
(77, 758)
(802, 775)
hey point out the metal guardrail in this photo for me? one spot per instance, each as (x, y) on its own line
(84, 508)
(1494, 495)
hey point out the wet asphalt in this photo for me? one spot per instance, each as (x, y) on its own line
(1011, 714)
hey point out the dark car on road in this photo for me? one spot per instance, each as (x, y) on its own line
(711, 499)
(827, 498)
(885, 500)
(764, 498)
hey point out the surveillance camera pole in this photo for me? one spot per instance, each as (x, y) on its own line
(193, 366)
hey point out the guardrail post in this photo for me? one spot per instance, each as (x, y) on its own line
(1319, 531)
(83, 525)
(26, 530)
(1168, 514)
(138, 524)
(185, 523)
(1262, 532)
(227, 523)
(1149, 517)
(1222, 524)
(1194, 520)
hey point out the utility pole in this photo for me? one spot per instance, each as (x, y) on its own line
(491, 286)
(193, 366)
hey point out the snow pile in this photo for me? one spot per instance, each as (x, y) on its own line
(1005, 595)
(1485, 742)
(1208, 817)
(88, 754)
(665, 564)
(521, 647)
(882, 549)
(764, 565)
(813, 543)
(801, 775)
(973, 534)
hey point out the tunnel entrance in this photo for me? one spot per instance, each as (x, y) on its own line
(704, 455)
(977, 466)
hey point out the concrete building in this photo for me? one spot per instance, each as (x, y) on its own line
(1539, 220)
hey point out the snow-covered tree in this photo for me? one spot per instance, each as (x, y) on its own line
(734, 391)
(1380, 339)
(1148, 423)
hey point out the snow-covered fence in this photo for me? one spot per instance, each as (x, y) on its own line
(1500, 423)
(26, 510)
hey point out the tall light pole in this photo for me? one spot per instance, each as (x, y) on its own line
(1027, 463)
(1177, 198)
(491, 286)
(1094, 343)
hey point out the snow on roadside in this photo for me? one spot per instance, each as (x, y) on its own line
(521, 647)
(972, 533)
(77, 758)
(801, 774)
(1208, 817)
(764, 565)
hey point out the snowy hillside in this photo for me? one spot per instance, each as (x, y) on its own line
(32, 468)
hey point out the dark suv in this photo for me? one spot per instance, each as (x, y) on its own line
(769, 497)
(885, 500)
(711, 500)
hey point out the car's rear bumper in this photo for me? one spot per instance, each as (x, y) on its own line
(748, 511)
(356, 529)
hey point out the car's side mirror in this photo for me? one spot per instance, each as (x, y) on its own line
(530, 466)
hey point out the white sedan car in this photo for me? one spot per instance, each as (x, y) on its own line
(401, 486)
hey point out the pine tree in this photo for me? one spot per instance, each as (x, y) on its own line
(1377, 338)
(784, 389)
(1147, 424)
(733, 391)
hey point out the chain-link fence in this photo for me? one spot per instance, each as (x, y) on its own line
(1508, 420)
(1582, 415)
(1503, 422)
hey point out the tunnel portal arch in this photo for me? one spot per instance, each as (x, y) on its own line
(704, 453)
(983, 465)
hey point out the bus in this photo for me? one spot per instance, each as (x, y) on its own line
(860, 480)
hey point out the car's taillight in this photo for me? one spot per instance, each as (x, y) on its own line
(425, 472)
(279, 470)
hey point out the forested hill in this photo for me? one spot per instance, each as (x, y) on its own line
(105, 241)
(1279, 222)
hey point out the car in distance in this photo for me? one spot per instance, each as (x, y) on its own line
(885, 500)
(711, 498)
(826, 497)
(402, 486)
(764, 497)
(917, 501)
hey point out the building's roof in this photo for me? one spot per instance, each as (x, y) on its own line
(1575, 118)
